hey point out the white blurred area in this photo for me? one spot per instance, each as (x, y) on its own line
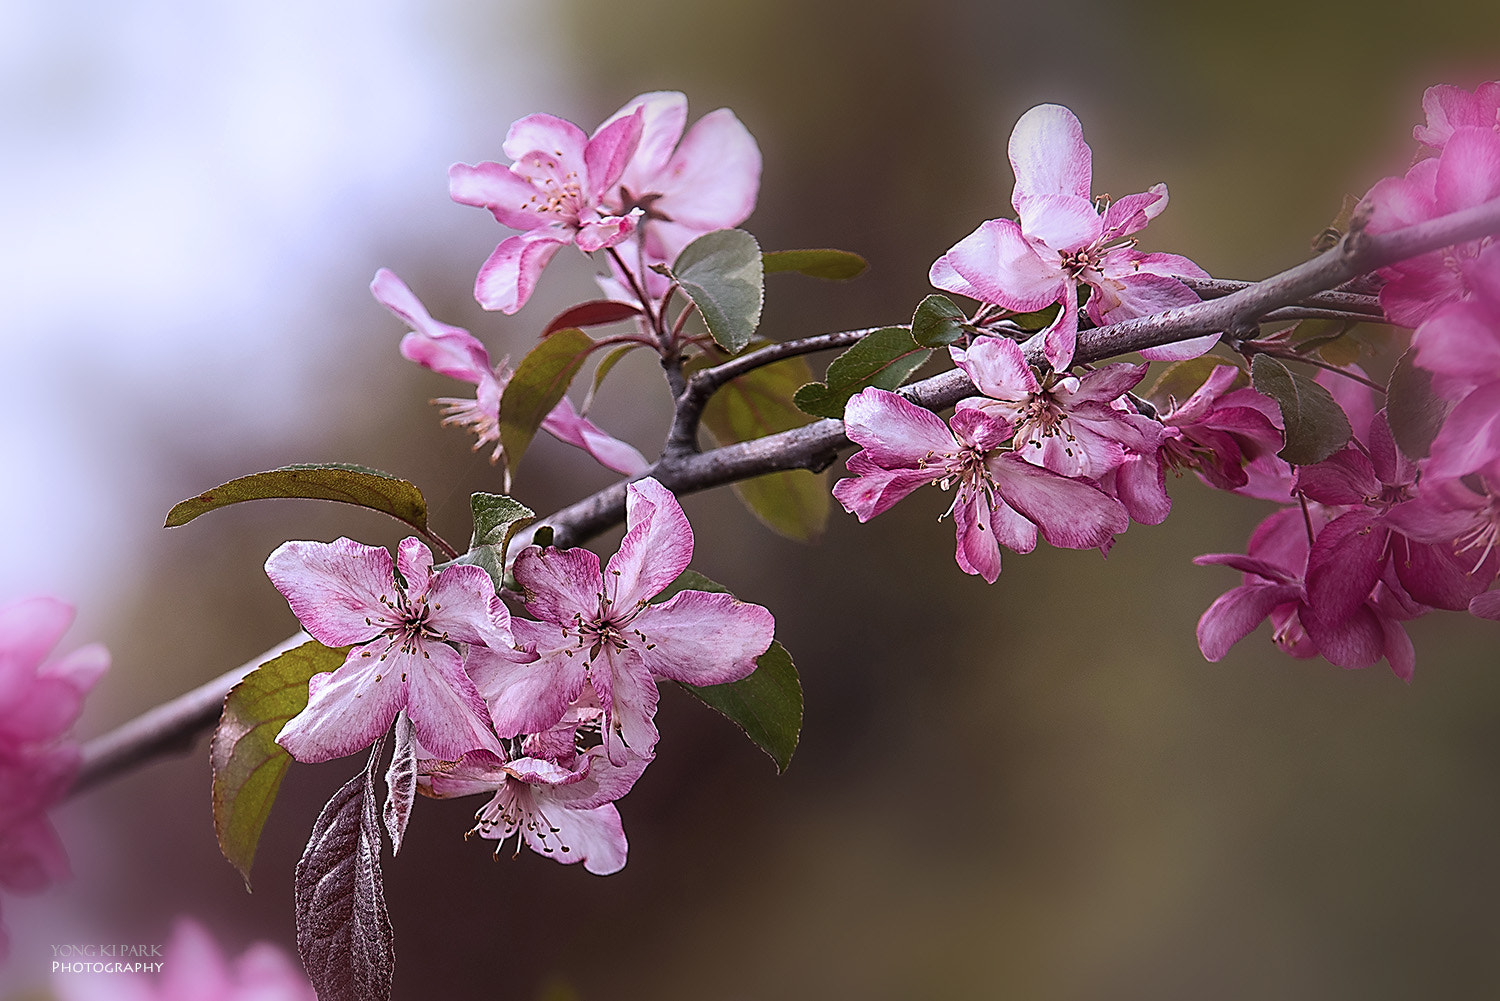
(189, 192)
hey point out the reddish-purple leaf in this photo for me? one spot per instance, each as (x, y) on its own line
(592, 314)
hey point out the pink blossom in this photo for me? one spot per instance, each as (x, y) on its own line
(600, 630)
(1069, 424)
(1002, 499)
(562, 809)
(1063, 239)
(1450, 108)
(1466, 174)
(554, 192)
(193, 969)
(454, 352)
(707, 181)
(406, 656)
(39, 701)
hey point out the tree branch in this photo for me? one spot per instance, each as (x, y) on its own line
(815, 446)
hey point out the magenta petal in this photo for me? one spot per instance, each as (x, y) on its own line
(875, 489)
(977, 547)
(1071, 514)
(657, 547)
(1049, 155)
(610, 150)
(663, 117)
(1346, 560)
(1354, 642)
(1236, 613)
(1486, 605)
(507, 279)
(1346, 477)
(335, 588)
(1470, 438)
(1469, 169)
(703, 638)
(29, 629)
(1059, 341)
(348, 709)
(1130, 214)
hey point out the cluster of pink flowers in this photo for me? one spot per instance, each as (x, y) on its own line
(39, 702)
(1382, 537)
(553, 715)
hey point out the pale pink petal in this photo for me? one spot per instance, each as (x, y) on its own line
(530, 697)
(893, 431)
(565, 424)
(546, 134)
(559, 584)
(942, 275)
(1049, 155)
(997, 368)
(1005, 269)
(348, 709)
(1131, 214)
(507, 279)
(446, 710)
(712, 181)
(657, 547)
(510, 197)
(703, 638)
(339, 590)
(594, 837)
(663, 117)
(610, 150)
(466, 609)
(1063, 223)
(629, 702)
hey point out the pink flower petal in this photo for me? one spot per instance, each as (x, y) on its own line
(507, 279)
(1049, 155)
(893, 431)
(335, 588)
(703, 638)
(1005, 269)
(657, 547)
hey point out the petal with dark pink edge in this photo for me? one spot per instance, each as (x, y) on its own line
(610, 150)
(1012, 529)
(1003, 267)
(1071, 514)
(980, 429)
(875, 489)
(335, 588)
(1236, 613)
(1131, 214)
(1059, 341)
(629, 701)
(894, 432)
(1105, 384)
(977, 549)
(530, 697)
(942, 275)
(559, 584)
(565, 424)
(596, 234)
(702, 638)
(1140, 484)
(600, 781)
(464, 607)
(448, 350)
(446, 710)
(1063, 222)
(1049, 155)
(657, 547)
(350, 708)
(663, 117)
(997, 368)
(507, 279)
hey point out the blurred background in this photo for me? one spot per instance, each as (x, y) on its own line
(1036, 789)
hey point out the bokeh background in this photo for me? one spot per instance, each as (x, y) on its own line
(1036, 789)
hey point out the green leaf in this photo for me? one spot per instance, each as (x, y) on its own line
(721, 272)
(541, 379)
(248, 764)
(601, 370)
(496, 519)
(937, 322)
(334, 481)
(830, 265)
(1041, 319)
(793, 503)
(766, 705)
(883, 359)
(1416, 412)
(1316, 425)
(1182, 379)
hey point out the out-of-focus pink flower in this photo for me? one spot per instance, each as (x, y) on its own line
(193, 969)
(1063, 239)
(406, 656)
(454, 352)
(1450, 108)
(707, 181)
(554, 192)
(1466, 174)
(597, 628)
(39, 701)
(1002, 499)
